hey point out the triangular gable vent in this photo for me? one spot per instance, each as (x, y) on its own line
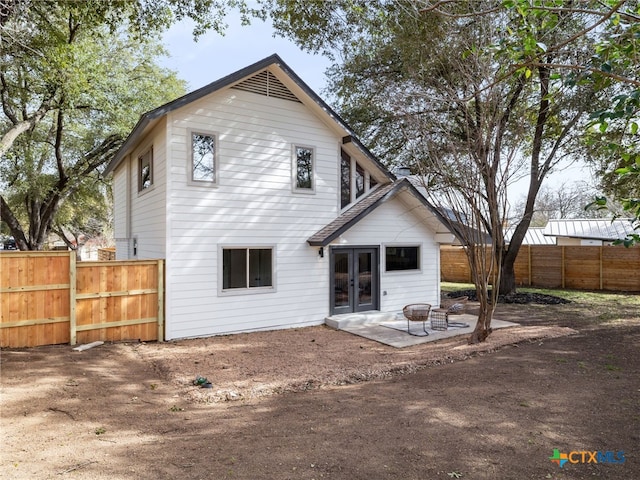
(266, 83)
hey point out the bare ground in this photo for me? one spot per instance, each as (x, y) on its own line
(316, 403)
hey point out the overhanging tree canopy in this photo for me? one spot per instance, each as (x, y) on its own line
(74, 77)
(500, 88)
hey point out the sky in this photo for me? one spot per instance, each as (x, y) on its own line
(214, 56)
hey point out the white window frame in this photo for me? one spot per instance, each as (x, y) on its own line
(247, 290)
(216, 169)
(294, 168)
(149, 151)
(419, 246)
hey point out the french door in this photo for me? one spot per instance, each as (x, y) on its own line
(354, 280)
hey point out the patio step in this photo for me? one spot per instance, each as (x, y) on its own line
(339, 322)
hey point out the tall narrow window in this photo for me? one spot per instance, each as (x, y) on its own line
(304, 166)
(247, 268)
(359, 181)
(345, 180)
(203, 158)
(355, 181)
(145, 170)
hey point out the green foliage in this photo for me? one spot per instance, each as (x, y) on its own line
(612, 67)
(78, 79)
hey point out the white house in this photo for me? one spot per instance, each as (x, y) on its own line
(268, 211)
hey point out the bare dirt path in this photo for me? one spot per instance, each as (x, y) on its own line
(315, 403)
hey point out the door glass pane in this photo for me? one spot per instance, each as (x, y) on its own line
(341, 276)
(364, 278)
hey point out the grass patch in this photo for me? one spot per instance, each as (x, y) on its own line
(588, 307)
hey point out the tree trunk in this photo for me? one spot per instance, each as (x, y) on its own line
(483, 327)
(507, 278)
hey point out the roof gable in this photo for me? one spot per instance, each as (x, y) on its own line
(364, 207)
(262, 78)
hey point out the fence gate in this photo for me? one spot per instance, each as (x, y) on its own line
(47, 298)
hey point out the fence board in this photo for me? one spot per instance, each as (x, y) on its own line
(34, 291)
(622, 268)
(117, 300)
(614, 268)
(47, 298)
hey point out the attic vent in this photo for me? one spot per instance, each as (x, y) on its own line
(266, 83)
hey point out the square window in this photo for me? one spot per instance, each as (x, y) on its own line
(203, 158)
(247, 268)
(402, 258)
(304, 167)
(145, 170)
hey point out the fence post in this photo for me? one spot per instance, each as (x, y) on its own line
(72, 297)
(161, 300)
(601, 269)
(529, 264)
(562, 266)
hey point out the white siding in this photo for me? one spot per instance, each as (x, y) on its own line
(148, 208)
(253, 205)
(393, 224)
(120, 211)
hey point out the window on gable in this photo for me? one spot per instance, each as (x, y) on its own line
(354, 180)
(360, 178)
(345, 180)
(145, 170)
(402, 258)
(247, 268)
(203, 158)
(304, 168)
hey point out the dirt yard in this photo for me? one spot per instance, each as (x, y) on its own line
(316, 403)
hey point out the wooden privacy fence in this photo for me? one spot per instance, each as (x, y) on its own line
(48, 298)
(613, 268)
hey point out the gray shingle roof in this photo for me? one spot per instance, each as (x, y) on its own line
(361, 209)
(354, 214)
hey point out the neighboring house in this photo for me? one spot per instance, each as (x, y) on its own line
(269, 212)
(588, 231)
(534, 236)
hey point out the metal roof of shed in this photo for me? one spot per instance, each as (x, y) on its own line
(598, 229)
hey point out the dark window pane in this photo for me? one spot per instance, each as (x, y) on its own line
(402, 258)
(234, 268)
(145, 171)
(304, 168)
(146, 176)
(359, 180)
(345, 180)
(203, 151)
(260, 274)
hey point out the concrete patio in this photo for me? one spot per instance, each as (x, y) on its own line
(391, 328)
